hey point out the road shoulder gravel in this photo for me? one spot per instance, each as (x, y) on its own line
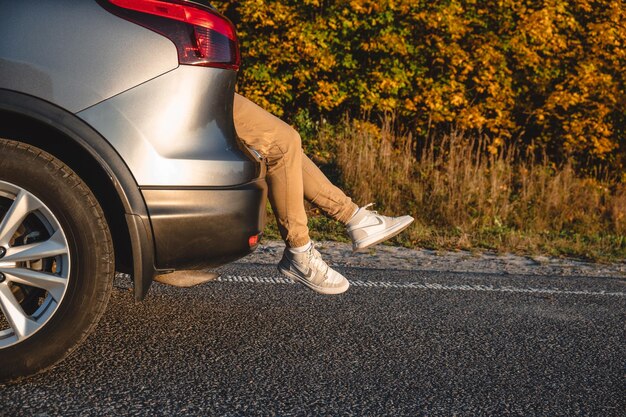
(392, 257)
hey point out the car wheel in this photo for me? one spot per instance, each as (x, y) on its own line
(56, 260)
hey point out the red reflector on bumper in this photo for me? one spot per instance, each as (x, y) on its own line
(253, 240)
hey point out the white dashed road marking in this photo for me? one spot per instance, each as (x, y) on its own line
(425, 286)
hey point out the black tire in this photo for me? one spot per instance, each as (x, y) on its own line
(88, 250)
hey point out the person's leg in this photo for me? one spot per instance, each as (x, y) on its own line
(319, 191)
(281, 147)
(292, 176)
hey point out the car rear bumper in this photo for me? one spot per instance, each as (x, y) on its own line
(198, 227)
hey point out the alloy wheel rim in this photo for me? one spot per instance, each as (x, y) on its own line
(35, 264)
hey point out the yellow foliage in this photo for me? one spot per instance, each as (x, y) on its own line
(548, 73)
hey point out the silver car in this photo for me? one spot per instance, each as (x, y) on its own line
(117, 153)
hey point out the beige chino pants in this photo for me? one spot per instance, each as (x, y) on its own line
(291, 175)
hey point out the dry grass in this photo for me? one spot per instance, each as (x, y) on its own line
(463, 196)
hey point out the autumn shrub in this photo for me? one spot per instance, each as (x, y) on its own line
(548, 74)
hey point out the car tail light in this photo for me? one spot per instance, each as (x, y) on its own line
(202, 36)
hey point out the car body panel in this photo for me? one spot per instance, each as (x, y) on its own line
(190, 193)
(74, 53)
(177, 129)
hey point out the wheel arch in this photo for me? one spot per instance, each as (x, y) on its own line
(39, 123)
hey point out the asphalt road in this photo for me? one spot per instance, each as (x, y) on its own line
(397, 343)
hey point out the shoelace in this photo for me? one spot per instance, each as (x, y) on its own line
(371, 211)
(316, 261)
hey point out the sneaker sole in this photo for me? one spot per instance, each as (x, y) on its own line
(316, 288)
(381, 236)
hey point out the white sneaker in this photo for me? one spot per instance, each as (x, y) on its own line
(309, 269)
(367, 228)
